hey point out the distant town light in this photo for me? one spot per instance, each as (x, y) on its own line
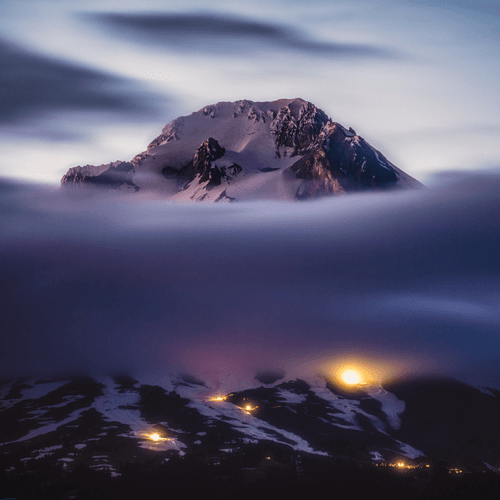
(217, 398)
(249, 408)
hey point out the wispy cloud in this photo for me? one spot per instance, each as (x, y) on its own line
(222, 34)
(33, 86)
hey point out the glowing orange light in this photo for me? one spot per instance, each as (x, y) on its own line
(351, 377)
(217, 398)
(155, 437)
(371, 371)
(248, 408)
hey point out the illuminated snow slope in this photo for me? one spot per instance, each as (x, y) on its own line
(285, 150)
(180, 414)
(121, 406)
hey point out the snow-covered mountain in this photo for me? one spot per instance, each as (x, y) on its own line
(286, 149)
(109, 421)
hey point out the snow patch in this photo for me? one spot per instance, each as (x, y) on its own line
(348, 409)
(291, 397)
(51, 427)
(381, 162)
(251, 426)
(113, 406)
(486, 391)
(409, 451)
(376, 456)
(494, 469)
(36, 391)
(391, 405)
(43, 452)
(250, 441)
(50, 448)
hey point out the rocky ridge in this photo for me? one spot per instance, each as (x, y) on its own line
(287, 149)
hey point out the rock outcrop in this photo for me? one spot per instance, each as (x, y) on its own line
(116, 175)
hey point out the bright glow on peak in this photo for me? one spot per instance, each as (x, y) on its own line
(351, 377)
(155, 437)
(359, 370)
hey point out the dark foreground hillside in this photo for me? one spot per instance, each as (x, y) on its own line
(256, 472)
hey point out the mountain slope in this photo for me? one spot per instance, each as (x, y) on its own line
(110, 421)
(286, 149)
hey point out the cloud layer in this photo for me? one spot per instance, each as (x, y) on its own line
(113, 284)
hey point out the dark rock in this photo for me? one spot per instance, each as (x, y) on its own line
(297, 125)
(170, 173)
(339, 162)
(111, 176)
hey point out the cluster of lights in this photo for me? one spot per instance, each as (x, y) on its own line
(402, 465)
(247, 408)
(218, 398)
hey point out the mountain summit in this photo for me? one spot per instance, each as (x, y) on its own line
(286, 149)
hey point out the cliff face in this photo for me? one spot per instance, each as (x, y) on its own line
(286, 149)
(297, 125)
(341, 161)
(114, 175)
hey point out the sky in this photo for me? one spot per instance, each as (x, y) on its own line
(408, 280)
(87, 83)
